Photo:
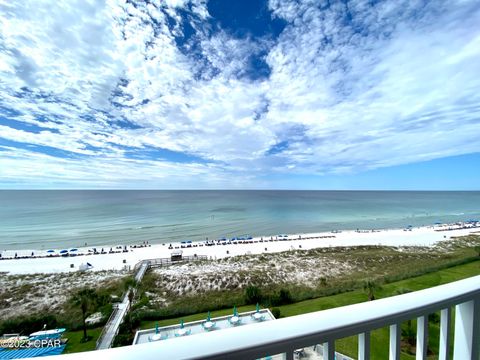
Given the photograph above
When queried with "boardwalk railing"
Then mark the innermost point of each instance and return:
(107, 325)
(285, 335)
(110, 330)
(166, 261)
(160, 262)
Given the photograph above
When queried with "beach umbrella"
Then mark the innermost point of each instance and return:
(156, 328)
(258, 307)
(437, 223)
(181, 324)
(63, 251)
(73, 249)
(208, 316)
(50, 251)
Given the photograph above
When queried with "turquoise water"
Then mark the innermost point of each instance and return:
(46, 219)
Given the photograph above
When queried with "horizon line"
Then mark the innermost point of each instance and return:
(183, 189)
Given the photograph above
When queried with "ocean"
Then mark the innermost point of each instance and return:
(52, 219)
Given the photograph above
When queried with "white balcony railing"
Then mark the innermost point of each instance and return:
(324, 327)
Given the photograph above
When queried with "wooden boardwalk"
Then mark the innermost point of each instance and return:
(153, 263)
(105, 340)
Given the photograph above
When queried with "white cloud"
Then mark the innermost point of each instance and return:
(377, 100)
(352, 87)
(24, 169)
(54, 49)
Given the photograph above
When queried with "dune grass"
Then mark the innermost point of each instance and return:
(379, 337)
(310, 274)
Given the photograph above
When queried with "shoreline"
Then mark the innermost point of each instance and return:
(125, 257)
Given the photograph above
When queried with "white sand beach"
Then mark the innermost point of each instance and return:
(120, 260)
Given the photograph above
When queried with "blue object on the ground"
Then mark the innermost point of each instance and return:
(33, 352)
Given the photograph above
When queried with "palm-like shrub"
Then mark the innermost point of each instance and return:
(85, 299)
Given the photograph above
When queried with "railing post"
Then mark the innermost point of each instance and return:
(364, 346)
(422, 337)
(444, 346)
(329, 350)
(467, 332)
(394, 353)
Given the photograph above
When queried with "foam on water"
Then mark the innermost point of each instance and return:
(45, 219)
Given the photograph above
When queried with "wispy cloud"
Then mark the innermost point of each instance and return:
(117, 94)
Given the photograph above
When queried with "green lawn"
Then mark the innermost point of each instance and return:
(74, 338)
(380, 337)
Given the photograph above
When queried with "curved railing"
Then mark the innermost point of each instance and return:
(324, 327)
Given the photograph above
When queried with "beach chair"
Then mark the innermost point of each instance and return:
(235, 318)
(183, 332)
(208, 324)
(157, 337)
(257, 315)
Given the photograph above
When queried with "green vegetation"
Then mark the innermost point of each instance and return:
(253, 294)
(457, 260)
(477, 249)
(276, 313)
(380, 337)
(370, 286)
(85, 299)
(157, 298)
(25, 325)
(132, 321)
(71, 315)
(398, 270)
(75, 340)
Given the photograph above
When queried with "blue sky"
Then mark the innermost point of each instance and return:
(281, 94)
